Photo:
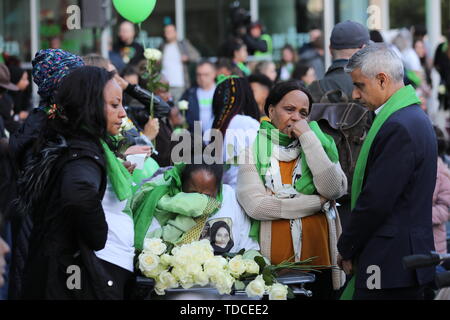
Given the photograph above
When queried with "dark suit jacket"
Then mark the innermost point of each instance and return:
(193, 113)
(392, 217)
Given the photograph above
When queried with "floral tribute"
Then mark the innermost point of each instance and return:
(195, 264)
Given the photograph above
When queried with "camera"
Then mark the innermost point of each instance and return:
(240, 19)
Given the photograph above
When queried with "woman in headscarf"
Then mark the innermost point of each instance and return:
(220, 237)
(286, 186)
(236, 119)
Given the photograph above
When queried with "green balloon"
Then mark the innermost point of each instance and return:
(135, 11)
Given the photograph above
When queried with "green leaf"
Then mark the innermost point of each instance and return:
(239, 285)
(268, 277)
(261, 262)
(290, 293)
(241, 252)
(229, 255)
(251, 254)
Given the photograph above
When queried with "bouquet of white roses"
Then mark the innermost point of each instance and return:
(195, 264)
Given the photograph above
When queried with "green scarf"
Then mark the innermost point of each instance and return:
(118, 175)
(174, 209)
(244, 68)
(268, 135)
(403, 98)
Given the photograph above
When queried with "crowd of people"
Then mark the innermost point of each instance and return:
(341, 164)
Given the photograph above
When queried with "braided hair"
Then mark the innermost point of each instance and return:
(233, 96)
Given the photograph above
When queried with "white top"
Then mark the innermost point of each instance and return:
(411, 60)
(285, 74)
(119, 247)
(205, 99)
(172, 67)
(379, 109)
(238, 222)
(240, 135)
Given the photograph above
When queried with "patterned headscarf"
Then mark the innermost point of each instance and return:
(49, 67)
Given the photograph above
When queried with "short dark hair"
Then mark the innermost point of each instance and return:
(80, 99)
(376, 36)
(230, 46)
(203, 62)
(283, 88)
(229, 64)
(300, 70)
(129, 70)
(262, 79)
(215, 169)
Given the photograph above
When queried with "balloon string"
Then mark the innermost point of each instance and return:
(142, 38)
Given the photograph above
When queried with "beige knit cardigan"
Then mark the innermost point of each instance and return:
(258, 203)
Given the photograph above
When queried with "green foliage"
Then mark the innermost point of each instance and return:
(239, 285)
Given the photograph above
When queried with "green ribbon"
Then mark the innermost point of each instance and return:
(118, 175)
(403, 98)
(244, 68)
(221, 78)
(268, 135)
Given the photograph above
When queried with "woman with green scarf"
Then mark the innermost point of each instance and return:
(189, 203)
(287, 183)
(75, 190)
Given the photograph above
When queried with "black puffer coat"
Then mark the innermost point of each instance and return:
(68, 221)
(20, 147)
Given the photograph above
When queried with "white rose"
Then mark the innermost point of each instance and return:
(167, 280)
(160, 289)
(278, 291)
(202, 251)
(166, 260)
(201, 278)
(155, 246)
(152, 54)
(183, 105)
(214, 265)
(193, 269)
(148, 262)
(127, 124)
(175, 251)
(256, 288)
(154, 273)
(187, 281)
(223, 282)
(178, 272)
(251, 267)
(237, 266)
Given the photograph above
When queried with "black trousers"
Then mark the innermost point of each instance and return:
(122, 279)
(411, 293)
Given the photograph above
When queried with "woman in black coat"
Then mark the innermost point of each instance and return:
(63, 186)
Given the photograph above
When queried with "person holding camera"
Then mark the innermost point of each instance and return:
(258, 43)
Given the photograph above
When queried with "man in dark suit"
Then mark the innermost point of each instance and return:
(393, 184)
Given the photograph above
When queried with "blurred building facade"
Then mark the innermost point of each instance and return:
(27, 25)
